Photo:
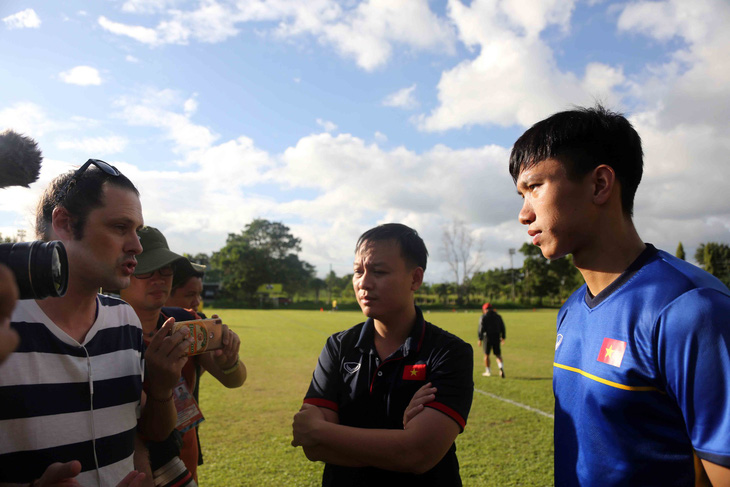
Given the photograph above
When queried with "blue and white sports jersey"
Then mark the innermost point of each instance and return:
(642, 377)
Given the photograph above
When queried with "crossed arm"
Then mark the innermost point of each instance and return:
(717, 474)
(426, 437)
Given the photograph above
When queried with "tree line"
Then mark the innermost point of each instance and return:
(266, 252)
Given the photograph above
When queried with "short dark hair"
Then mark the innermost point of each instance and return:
(411, 245)
(182, 274)
(583, 139)
(80, 198)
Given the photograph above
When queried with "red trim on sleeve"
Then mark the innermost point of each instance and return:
(448, 412)
(323, 403)
(183, 481)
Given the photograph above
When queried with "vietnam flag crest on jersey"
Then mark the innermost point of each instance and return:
(612, 352)
(414, 372)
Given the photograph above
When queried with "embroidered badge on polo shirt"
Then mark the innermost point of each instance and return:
(414, 372)
(612, 352)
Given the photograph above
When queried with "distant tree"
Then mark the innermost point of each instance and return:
(317, 284)
(333, 284)
(554, 279)
(442, 291)
(715, 259)
(295, 274)
(538, 281)
(345, 287)
(264, 252)
(680, 252)
(199, 258)
(463, 253)
(493, 283)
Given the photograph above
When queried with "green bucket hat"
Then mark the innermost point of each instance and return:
(155, 252)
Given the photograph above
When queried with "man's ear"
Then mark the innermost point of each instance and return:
(417, 278)
(605, 184)
(61, 224)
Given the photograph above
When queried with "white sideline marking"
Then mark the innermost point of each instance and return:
(515, 403)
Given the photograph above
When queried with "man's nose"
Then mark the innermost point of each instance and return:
(526, 215)
(134, 246)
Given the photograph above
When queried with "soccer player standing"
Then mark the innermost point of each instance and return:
(642, 368)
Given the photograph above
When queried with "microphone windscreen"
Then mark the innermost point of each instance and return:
(20, 159)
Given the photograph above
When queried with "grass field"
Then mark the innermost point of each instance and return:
(247, 433)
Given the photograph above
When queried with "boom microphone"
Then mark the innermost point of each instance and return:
(20, 159)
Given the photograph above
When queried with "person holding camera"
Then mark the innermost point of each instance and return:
(174, 461)
(71, 393)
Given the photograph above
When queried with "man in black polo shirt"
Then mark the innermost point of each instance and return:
(354, 413)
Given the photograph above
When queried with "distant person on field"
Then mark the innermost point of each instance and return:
(187, 288)
(389, 396)
(491, 334)
(174, 461)
(641, 373)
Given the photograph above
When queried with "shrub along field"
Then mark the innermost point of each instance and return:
(247, 432)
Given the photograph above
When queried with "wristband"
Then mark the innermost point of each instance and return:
(232, 369)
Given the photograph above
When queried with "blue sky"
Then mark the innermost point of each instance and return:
(333, 116)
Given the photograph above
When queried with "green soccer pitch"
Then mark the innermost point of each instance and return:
(247, 432)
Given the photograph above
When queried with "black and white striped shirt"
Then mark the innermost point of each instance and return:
(61, 400)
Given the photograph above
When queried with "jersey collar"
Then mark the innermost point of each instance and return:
(412, 344)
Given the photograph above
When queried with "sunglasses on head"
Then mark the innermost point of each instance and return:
(165, 271)
(103, 166)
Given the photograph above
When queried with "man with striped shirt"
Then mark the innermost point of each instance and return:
(71, 394)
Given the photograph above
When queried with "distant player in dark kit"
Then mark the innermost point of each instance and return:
(641, 373)
(491, 335)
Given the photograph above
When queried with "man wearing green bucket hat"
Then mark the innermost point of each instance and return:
(150, 287)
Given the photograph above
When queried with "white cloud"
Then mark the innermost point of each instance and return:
(692, 87)
(158, 108)
(327, 125)
(211, 22)
(25, 19)
(359, 184)
(369, 32)
(514, 79)
(366, 33)
(95, 145)
(131, 59)
(29, 119)
(402, 98)
(190, 106)
(144, 35)
(147, 6)
(600, 80)
(81, 75)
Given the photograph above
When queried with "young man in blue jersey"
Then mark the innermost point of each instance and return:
(70, 395)
(642, 368)
(370, 412)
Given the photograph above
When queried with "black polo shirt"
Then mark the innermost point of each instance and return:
(366, 392)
